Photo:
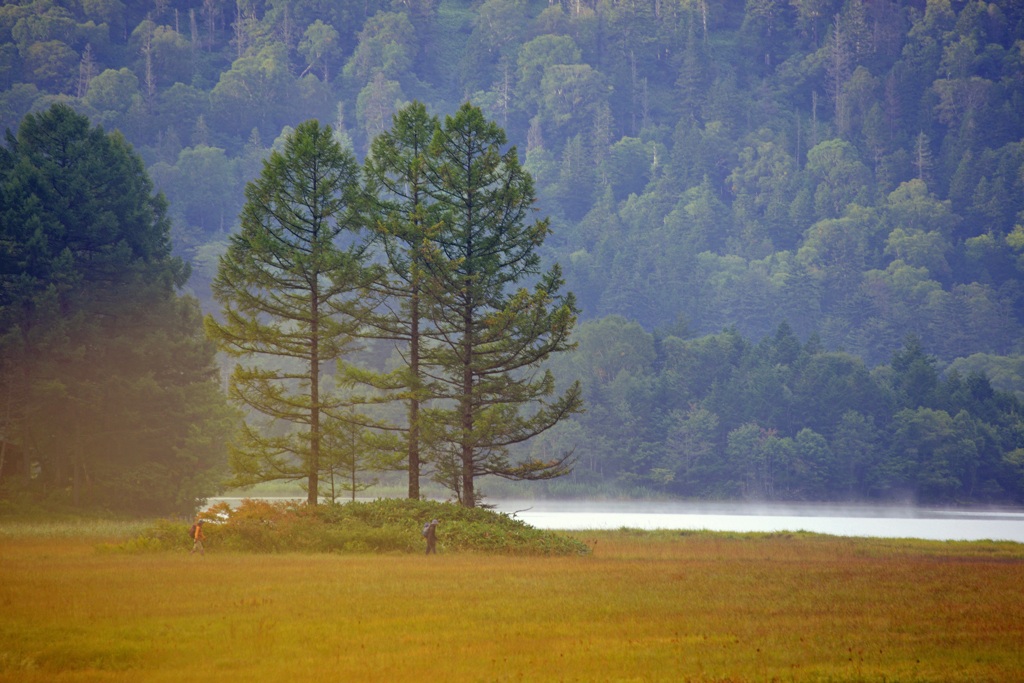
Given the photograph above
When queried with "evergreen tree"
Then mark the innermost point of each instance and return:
(492, 336)
(397, 178)
(352, 452)
(290, 304)
(111, 388)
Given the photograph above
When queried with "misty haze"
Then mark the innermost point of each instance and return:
(543, 340)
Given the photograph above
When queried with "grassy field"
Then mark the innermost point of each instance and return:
(640, 607)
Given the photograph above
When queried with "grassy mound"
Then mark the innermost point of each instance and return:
(381, 526)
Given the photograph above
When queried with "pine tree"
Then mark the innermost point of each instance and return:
(396, 173)
(290, 304)
(493, 337)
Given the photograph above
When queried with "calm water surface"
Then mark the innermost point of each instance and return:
(850, 520)
(845, 520)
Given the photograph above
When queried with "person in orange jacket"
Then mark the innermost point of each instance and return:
(197, 538)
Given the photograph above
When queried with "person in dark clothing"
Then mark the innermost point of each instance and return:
(430, 533)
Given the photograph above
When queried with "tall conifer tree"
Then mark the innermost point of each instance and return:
(290, 305)
(493, 334)
(397, 178)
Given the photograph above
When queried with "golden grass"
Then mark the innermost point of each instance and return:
(642, 607)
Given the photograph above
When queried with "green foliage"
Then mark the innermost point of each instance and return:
(399, 215)
(849, 103)
(381, 526)
(493, 333)
(719, 417)
(289, 293)
(320, 46)
(108, 379)
(387, 45)
(853, 169)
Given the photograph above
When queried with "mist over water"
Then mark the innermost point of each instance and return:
(896, 521)
(879, 521)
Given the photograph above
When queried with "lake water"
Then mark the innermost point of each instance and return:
(844, 520)
(883, 522)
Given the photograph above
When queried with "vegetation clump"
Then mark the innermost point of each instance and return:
(380, 526)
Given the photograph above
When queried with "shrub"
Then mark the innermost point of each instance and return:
(388, 525)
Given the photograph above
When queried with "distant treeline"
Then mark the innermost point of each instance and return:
(852, 169)
(720, 416)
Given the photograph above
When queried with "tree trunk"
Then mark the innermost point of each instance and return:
(466, 400)
(314, 399)
(414, 403)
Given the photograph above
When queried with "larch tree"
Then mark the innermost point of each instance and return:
(289, 288)
(397, 183)
(493, 333)
(355, 451)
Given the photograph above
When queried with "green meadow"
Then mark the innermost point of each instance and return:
(640, 606)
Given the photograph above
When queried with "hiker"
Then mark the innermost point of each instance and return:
(430, 533)
(197, 538)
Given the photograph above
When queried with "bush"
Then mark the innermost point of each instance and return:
(390, 525)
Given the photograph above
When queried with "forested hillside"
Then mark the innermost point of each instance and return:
(795, 216)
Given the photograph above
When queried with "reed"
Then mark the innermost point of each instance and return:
(639, 607)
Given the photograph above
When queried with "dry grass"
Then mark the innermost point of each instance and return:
(642, 607)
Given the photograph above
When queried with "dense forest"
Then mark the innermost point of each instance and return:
(794, 228)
